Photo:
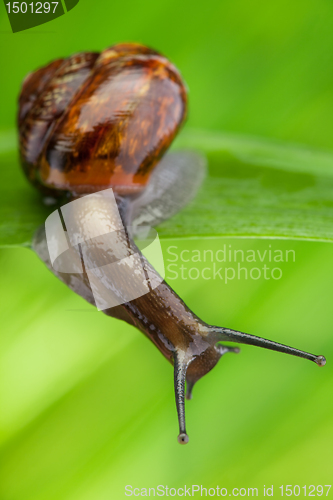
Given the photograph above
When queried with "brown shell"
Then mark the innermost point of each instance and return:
(94, 121)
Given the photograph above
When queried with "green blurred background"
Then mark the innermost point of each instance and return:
(86, 402)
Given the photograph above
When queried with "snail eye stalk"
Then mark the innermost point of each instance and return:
(244, 338)
(180, 366)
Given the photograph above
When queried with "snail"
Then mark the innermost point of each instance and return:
(99, 121)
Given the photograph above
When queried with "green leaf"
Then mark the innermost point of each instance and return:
(257, 188)
(254, 188)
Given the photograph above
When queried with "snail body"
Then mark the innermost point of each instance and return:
(98, 121)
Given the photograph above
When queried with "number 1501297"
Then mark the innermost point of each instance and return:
(32, 8)
(310, 491)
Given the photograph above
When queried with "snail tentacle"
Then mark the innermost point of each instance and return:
(246, 338)
(180, 367)
(223, 349)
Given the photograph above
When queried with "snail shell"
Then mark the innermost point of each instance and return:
(95, 121)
